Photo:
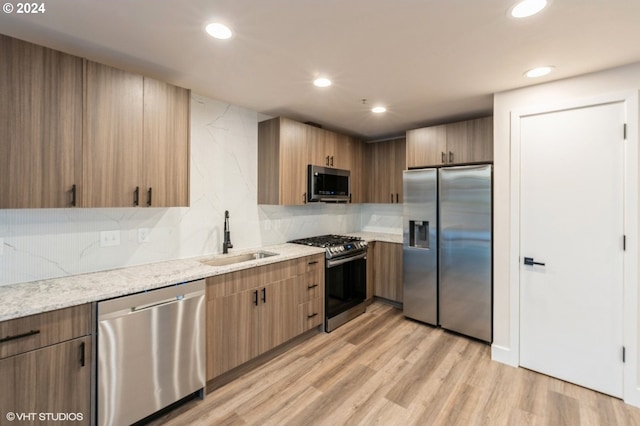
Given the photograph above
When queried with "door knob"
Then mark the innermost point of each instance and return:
(529, 261)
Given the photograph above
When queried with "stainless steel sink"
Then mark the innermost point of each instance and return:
(230, 260)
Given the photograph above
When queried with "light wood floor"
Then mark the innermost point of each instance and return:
(384, 369)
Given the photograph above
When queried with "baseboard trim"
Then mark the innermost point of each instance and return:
(503, 355)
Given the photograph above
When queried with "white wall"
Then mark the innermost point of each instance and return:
(48, 243)
(623, 79)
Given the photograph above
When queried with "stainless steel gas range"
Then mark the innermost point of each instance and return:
(345, 277)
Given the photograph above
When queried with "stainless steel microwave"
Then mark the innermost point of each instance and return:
(328, 184)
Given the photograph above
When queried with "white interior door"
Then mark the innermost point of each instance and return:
(571, 219)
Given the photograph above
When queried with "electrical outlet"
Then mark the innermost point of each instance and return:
(143, 235)
(109, 238)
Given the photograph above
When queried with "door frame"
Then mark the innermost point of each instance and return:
(630, 99)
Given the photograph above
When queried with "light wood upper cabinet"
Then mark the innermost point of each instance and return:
(358, 170)
(427, 146)
(285, 149)
(282, 162)
(40, 126)
(323, 148)
(112, 137)
(136, 140)
(456, 143)
(385, 163)
(78, 133)
(380, 162)
(166, 144)
(458, 146)
(329, 149)
(480, 134)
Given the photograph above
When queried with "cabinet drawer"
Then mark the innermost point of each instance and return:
(314, 263)
(311, 314)
(309, 287)
(35, 331)
(310, 263)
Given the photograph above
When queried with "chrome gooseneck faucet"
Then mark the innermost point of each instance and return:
(226, 245)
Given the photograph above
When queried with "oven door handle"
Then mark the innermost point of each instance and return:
(331, 263)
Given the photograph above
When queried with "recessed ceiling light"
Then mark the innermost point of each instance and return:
(378, 109)
(322, 82)
(220, 31)
(527, 8)
(538, 72)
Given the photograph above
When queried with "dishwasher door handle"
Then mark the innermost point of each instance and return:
(139, 302)
(154, 304)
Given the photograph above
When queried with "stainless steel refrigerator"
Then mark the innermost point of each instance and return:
(447, 251)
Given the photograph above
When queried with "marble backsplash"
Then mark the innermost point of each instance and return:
(47, 243)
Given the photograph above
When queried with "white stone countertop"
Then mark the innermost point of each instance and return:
(23, 299)
(19, 300)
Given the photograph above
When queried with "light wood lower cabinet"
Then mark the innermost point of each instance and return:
(370, 273)
(387, 271)
(55, 380)
(252, 311)
(45, 366)
(310, 295)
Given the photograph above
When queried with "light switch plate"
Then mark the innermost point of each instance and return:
(143, 235)
(109, 238)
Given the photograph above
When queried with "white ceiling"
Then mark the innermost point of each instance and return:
(428, 61)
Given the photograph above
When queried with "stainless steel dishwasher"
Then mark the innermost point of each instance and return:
(151, 351)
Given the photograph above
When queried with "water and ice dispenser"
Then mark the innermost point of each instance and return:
(419, 233)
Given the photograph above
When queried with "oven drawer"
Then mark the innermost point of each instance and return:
(311, 314)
